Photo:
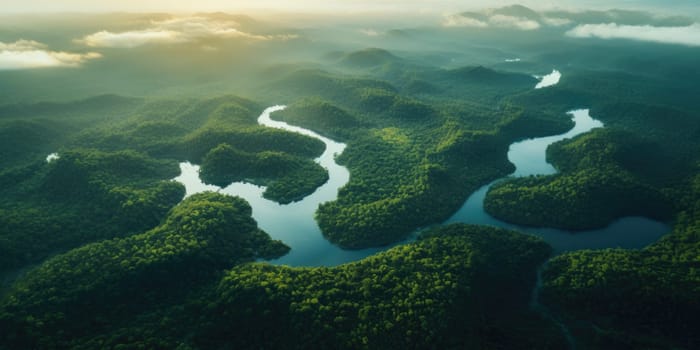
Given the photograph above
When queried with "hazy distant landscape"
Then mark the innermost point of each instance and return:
(350, 175)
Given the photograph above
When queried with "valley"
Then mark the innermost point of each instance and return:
(489, 178)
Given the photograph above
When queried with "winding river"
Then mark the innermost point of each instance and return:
(294, 223)
(291, 223)
(529, 158)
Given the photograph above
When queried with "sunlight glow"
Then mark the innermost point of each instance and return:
(25, 54)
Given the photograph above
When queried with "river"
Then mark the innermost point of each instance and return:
(291, 223)
(294, 223)
(529, 158)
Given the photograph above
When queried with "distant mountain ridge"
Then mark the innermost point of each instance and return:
(569, 18)
(370, 57)
(100, 102)
(481, 74)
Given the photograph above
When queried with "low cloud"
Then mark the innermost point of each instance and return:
(173, 31)
(462, 21)
(130, 39)
(687, 35)
(503, 21)
(519, 17)
(28, 54)
(495, 21)
(370, 32)
(556, 21)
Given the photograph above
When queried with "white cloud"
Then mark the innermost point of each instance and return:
(494, 21)
(556, 22)
(688, 35)
(174, 30)
(370, 32)
(463, 21)
(130, 39)
(520, 23)
(27, 54)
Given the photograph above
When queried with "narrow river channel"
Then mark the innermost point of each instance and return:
(294, 223)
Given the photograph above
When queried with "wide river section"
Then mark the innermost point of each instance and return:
(294, 223)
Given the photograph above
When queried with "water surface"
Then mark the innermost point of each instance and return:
(529, 158)
(294, 223)
(291, 223)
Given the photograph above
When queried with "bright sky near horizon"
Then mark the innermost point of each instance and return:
(212, 5)
(15, 6)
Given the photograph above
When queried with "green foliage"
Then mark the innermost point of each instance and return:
(258, 139)
(83, 196)
(325, 117)
(107, 182)
(457, 286)
(413, 161)
(289, 178)
(632, 299)
(307, 82)
(601, 180)
(585, 199)
(77, 169)
(526, 122)
(484, 76)
(85, 109)
(86, 289)
(187, 130)
(642, 163)
(401, 181)
(24, 141)
(416, 295)
(478, 84)
(368, 58)
(417, 87)
(420, 139)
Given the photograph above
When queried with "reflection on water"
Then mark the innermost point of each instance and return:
(294, 223)
(291, 223)
(529, 158)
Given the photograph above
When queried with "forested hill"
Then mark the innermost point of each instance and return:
(457, 286)
(99, 248)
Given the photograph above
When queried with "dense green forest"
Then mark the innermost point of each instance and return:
(603, 178)
(99, 248)
(644, 162)
(110, 280)
(412, 161)
(84, 196)
(111, 177)
(632, 299)
(452, 288)
(295, 177)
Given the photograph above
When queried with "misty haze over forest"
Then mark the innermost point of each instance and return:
(349, 174)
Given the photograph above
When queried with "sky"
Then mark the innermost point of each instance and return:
(13, 6)
(25, 53)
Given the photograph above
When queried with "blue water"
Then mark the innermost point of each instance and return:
(291, 223)
(529, 158)
(294, 223)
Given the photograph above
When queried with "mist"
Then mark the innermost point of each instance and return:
(336, 6)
